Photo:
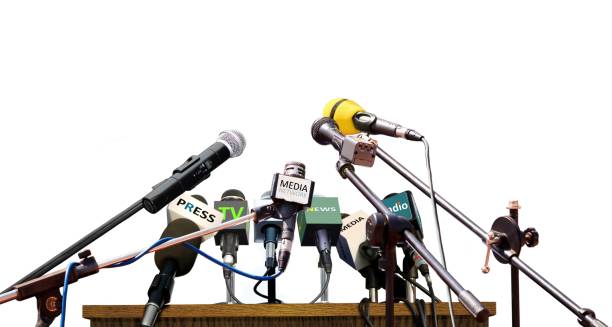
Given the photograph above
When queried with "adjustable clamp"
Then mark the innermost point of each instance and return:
(507, 236)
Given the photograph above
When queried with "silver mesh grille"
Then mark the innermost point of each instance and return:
(234, 140)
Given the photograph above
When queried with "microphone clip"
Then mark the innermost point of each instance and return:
(46, 289)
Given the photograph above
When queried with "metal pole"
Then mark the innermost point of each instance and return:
(472, 304)
(583, 314)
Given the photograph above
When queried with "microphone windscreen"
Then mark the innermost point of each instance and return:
(342, 111)
(199, 197)
(183, 256)
(316, 126)
(232, 194)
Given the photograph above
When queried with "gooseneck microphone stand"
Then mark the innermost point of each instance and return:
(386, 229)
(586, 317)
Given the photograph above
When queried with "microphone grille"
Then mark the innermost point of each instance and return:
(234, 140)
(316, 127)
(232, 194)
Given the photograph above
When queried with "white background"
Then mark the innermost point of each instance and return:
(101, 100)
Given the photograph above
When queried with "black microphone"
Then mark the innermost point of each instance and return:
(359, 150)
(354, 250)
(232, 206)
(172, 262)
(192, 172)
(352, 118)
(291, 193)
(320, 226)
(267, 231)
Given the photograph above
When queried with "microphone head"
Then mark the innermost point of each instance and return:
(316, 127)
(234, 141)
(342, 112)
(183, 256)
(232, 194)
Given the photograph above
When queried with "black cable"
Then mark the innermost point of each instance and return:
(420, 304)
(270, 272)
(420, 287)
(415, 316)
(434, 315)
(364, 311)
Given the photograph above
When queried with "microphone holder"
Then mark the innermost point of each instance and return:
(504, 254)
(385, 229)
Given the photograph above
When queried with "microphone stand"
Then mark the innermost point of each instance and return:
(386, 229)
(80, 244)
(192, 172)
(586, 317)
(46, 288)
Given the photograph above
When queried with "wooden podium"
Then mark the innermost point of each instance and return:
(269, 315)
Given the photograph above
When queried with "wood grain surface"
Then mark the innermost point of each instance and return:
(255, 315)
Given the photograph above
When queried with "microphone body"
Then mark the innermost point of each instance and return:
(320, 226)
(194, 170)
(291, 193)
(354, 249)
(172, 262)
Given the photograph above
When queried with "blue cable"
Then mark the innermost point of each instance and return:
(65, 291)
(232, 268)
(141, 254)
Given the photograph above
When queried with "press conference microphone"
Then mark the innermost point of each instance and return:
(192, 172)
(232, 206)
(267, 231)
(195, 208)
(403, 204)
(291, 193)
(352, 119)
(172, 262)
(320, 226)
(354, 250)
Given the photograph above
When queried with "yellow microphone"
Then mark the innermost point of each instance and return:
(351, 118)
